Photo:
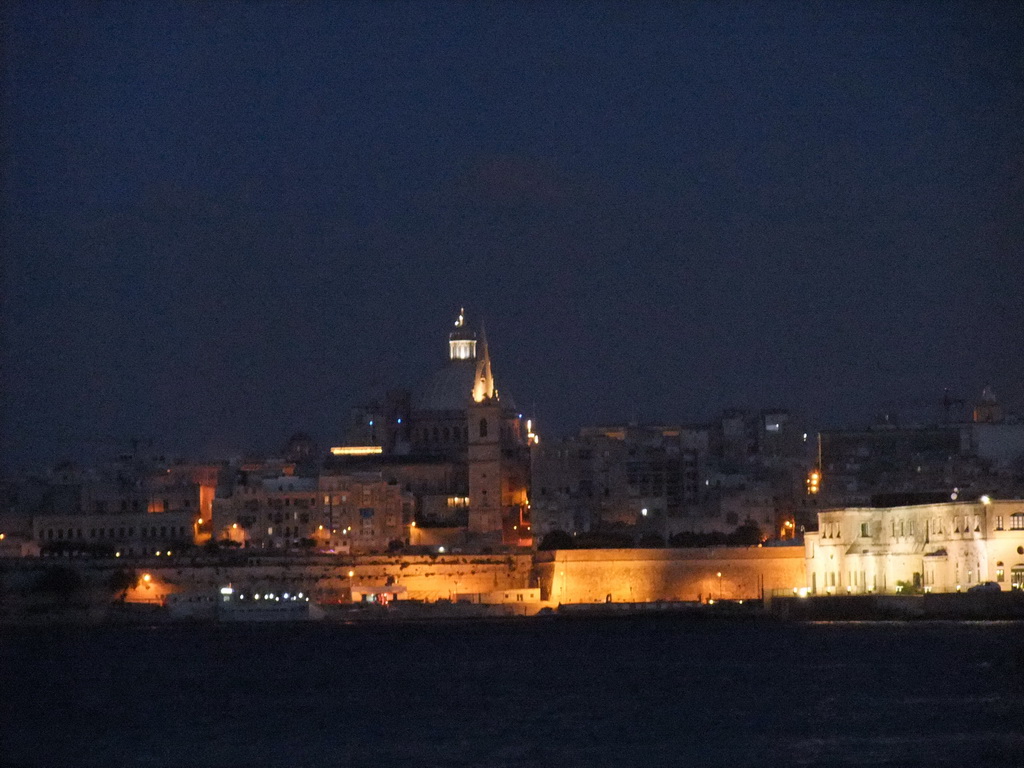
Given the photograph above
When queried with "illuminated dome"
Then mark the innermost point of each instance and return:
(449, 389)
(465, 376)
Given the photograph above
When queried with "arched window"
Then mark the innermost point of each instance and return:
(1017, 577)
(483, 427)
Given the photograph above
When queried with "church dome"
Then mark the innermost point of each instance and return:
(465, 376)
(449, 389)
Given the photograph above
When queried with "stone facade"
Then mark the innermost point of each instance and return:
(647, 575)
(132, 533)
(364, 513)
(944, 547)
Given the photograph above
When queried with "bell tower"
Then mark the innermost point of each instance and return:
(484, 449)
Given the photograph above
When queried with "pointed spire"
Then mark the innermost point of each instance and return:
(483, 383)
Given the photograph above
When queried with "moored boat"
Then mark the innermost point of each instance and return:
(238, 605)
(253, 605)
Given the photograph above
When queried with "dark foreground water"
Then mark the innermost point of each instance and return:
(644, 692)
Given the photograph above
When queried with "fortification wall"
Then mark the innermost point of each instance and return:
(565, 576)
(647, 575)
(424, 577)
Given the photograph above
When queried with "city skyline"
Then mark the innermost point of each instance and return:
(905, 412)
(222, 226)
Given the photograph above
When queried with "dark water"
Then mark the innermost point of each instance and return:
(647, 692)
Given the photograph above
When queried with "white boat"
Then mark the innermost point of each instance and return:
(251, 605)
(230, 604)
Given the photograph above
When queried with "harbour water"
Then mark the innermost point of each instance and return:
(590, 692)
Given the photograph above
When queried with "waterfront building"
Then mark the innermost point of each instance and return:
(363, 513)
(118, 533)
(275, 512)
(134, 506)
(941, 547)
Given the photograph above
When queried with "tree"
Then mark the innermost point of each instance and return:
(651, 541)
(605, 539)
(556, 540)
(121, 581)
(747, 535)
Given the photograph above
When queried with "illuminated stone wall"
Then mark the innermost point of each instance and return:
(567, 576)
(646, 575)
(424, 578)
(574, 576)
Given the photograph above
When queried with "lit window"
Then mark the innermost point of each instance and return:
(1017, 522)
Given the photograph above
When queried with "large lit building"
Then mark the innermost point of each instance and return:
(944, 547)
(457, 444)
(134, 506)
(363, 513)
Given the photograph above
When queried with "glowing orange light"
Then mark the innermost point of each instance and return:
(357, 450)
(146, 577)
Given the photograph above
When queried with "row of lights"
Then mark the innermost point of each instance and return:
(227, 591)
(158, 553)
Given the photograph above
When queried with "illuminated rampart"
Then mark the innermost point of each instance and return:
(565, 576)
(648, 575)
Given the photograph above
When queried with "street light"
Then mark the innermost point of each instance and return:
(719, 585)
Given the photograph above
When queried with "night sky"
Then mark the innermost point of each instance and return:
(223, 222)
